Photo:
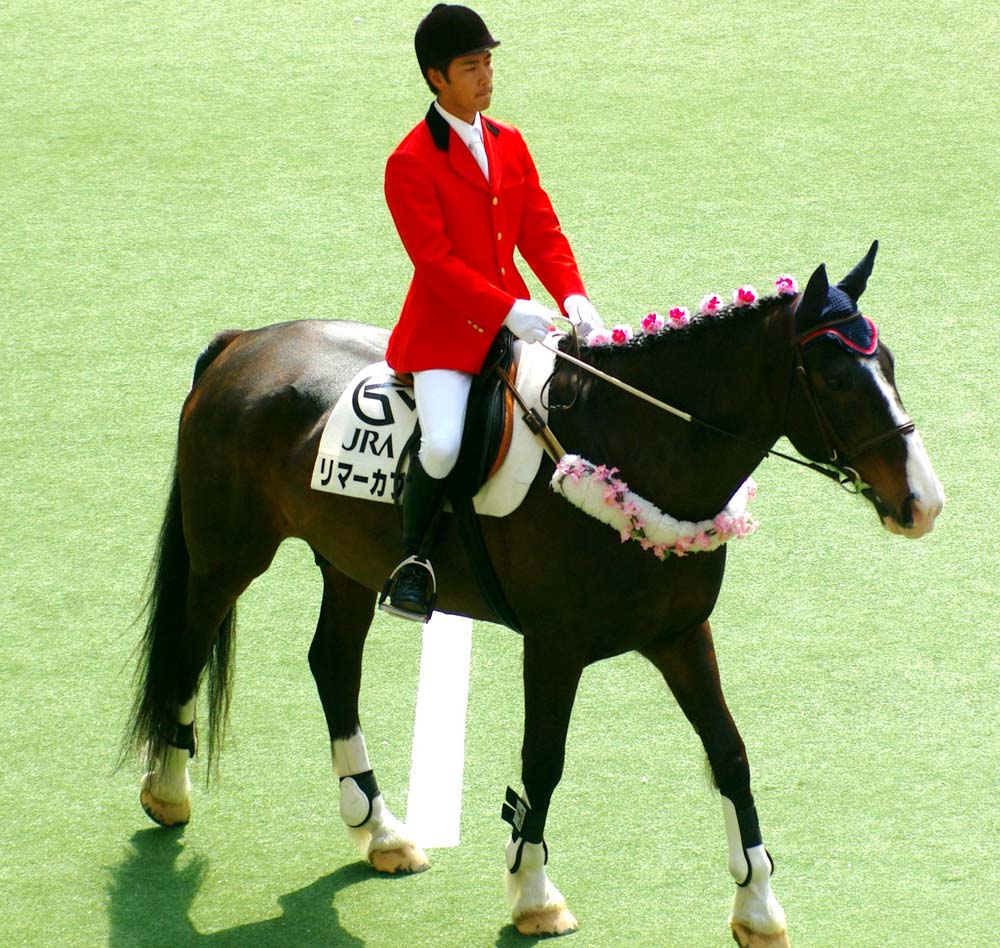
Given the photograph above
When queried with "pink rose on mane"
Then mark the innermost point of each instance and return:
(710, 304)
(598, 337)
(652, 323)
(745, 296)
(786, 285)
(678, 317)
(620, 335)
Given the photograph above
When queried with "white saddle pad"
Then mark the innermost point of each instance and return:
(374, 418)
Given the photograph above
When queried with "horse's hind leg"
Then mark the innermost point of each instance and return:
(689, 666)
(207, 626)
(335, 661)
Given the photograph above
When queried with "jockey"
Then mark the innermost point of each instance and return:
(463, 191)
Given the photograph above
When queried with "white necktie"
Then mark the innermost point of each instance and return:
(478, 150)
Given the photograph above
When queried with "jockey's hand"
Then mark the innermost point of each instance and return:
(529, 320)
(581, 311)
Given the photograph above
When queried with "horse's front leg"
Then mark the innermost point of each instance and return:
(550, 684)
(689, 666)
(335, 661)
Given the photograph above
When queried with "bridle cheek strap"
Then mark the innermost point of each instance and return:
(839, 455)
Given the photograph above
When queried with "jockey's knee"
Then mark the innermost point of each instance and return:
(438, 454)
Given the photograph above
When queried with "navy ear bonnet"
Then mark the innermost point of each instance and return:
(857, 335)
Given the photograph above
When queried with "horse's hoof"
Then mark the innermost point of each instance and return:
(557, 921)
(408, 858)
(161, 811)
(749, 939)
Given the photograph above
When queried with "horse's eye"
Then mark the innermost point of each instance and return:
(838, 380)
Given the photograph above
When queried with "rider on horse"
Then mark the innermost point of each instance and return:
(463, 191)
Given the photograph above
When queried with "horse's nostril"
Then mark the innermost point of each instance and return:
(906, 511)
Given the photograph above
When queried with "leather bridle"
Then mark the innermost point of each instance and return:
(840, 457)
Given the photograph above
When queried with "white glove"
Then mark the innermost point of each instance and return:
(529, 320)
(581, 311)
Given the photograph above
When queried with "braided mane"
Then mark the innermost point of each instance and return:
(700, 326)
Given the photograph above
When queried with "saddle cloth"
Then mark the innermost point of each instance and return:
(374, 418)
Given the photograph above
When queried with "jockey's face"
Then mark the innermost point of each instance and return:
(467, 86)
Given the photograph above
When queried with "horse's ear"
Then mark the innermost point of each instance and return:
(855, 282)
(813, 299)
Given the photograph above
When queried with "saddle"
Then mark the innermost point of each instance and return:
(370, 432)
(489, 426)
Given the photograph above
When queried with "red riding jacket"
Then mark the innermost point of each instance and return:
(460, 231)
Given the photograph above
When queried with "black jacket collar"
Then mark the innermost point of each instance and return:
(439, 128)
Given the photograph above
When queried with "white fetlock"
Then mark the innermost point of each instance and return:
(754, 905)
(165, 794)
(377, 834)
(537, 906)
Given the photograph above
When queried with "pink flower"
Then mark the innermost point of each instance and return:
(745, 296)
(702, 541)
(786, 285)
(626, 534)
(571, 468)
(620, 335)
(598, 337)
(710, 304)
(600, 472)
(652, 323)
(682, 545)
(723, 523)
(678, 317)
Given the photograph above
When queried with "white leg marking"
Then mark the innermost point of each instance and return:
(381, 831)
(754, 905)
(172, 784)
(434, 804)
(351, 756)
(530, 889)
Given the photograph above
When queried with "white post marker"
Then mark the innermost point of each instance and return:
(434, 802)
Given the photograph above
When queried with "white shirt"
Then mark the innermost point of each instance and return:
(471, 135)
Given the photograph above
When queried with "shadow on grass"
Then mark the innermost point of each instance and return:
(510, 937)
(150, 897)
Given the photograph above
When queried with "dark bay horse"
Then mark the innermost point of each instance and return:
(808, 366)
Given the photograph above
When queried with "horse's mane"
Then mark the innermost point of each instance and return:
(700, 328)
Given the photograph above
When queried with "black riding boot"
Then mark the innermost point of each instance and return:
(411, 589)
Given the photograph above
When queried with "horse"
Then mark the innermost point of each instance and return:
(807, 365)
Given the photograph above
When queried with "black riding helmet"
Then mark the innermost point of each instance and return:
(447, 32)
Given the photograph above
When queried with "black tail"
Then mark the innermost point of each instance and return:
(153, 720)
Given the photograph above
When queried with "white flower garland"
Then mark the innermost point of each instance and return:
(596, 491)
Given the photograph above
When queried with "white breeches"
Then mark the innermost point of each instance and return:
(442, 396)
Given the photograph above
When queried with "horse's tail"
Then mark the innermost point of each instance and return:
(153, 721)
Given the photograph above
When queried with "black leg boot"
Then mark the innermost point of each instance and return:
(411, 589)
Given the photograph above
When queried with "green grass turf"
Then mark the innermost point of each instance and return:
(169, 170)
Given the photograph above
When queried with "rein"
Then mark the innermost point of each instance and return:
(838, 467)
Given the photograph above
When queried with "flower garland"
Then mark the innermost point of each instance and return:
(679, 318)
(597, 491)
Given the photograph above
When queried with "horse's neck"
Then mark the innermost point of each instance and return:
(731, 377)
